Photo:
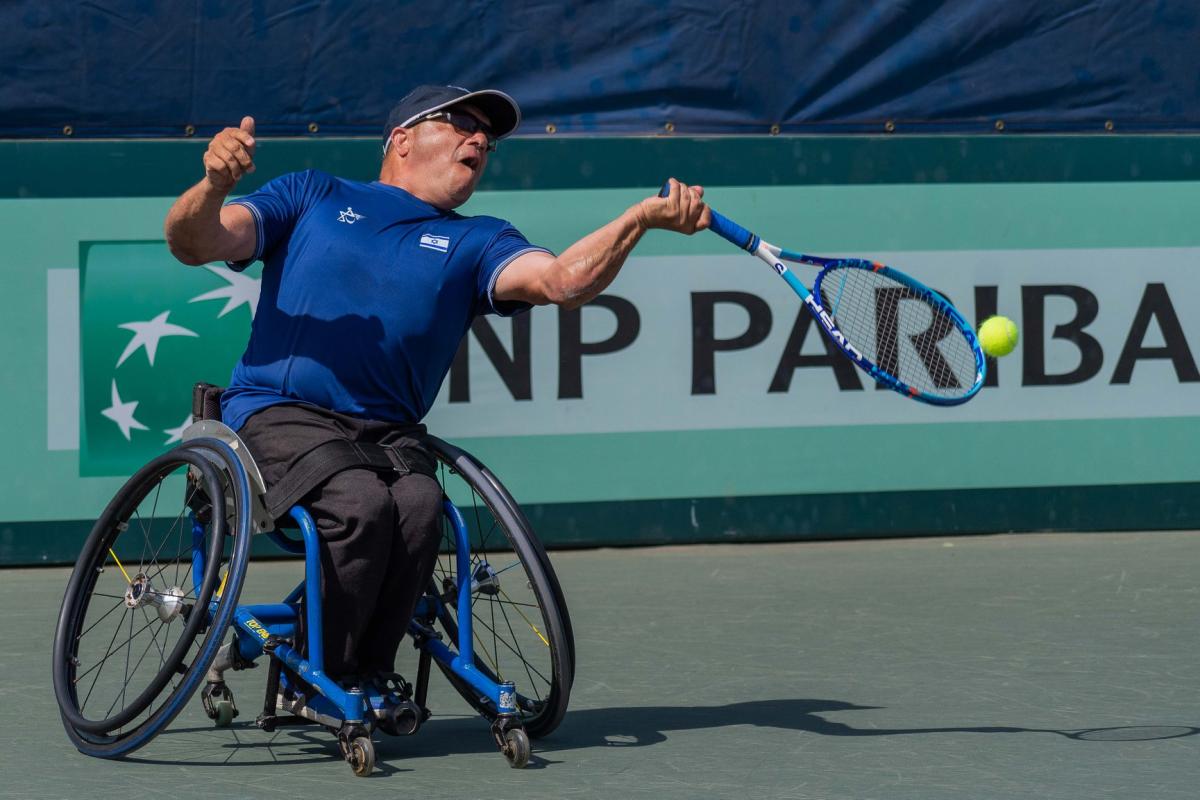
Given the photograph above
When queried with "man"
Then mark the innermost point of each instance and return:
(367, 290)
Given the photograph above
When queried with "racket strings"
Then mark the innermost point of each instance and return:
(898, 330)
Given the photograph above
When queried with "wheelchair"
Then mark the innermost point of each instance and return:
(151, 613)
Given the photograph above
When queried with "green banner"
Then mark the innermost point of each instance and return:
(151, 329)
(630, 422)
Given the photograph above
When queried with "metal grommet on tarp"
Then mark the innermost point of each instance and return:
(313, 127)
(189, 130)
(551, 127)
(669, 127)
(889, 126)
(774, 131)
(999, 125)
(68, 130)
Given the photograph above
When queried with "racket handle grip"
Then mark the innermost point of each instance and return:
(733, 233)
(724, 227)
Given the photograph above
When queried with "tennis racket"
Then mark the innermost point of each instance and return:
(900, 332)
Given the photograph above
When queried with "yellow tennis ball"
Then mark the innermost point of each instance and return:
(998, 336)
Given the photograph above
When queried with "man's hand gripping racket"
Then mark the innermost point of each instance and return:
(899, 331)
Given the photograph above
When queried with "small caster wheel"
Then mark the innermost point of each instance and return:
(361, 756)
(516, 748)
(218, 703)
(225, 714)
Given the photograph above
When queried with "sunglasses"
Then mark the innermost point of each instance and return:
(465, 123)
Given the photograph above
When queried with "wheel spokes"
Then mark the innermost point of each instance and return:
(142, 531)
(511, 638)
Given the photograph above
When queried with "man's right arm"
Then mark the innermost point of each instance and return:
(199, 227)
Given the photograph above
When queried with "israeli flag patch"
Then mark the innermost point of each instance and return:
(439, 243)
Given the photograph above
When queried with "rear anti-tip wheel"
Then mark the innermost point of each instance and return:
(218, 703)
(225, 714)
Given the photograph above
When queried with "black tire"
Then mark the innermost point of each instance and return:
(521, 628)
(135, 554)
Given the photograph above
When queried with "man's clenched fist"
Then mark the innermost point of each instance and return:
(230, 155)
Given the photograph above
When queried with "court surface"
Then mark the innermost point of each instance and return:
(1046, 665)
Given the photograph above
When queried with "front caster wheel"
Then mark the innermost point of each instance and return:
(516, 748)
(360, 755)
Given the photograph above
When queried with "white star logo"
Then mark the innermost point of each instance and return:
(147, 334)
(176, 434)
(242, 289)
(349, 216)
(122, 413)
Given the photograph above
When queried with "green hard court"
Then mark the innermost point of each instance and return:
(1007, 666)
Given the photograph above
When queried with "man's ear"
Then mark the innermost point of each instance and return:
(401, 141)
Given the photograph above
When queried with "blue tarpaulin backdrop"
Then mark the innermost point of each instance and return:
(334, 67)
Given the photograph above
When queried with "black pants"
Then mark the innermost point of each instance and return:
(379, 532)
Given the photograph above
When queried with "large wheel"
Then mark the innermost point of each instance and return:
(137, 630)
(520, 625)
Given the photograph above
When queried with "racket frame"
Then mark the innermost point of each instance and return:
(774, 257)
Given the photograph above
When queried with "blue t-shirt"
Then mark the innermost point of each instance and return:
(366, 293)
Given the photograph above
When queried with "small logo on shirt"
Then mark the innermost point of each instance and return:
(349, 217)
(439, 243)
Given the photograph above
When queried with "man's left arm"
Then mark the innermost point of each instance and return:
(586, 268)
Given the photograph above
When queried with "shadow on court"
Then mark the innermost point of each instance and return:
(640, 727)
(643, 726)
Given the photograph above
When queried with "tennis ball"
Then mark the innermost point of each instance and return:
(998, 336)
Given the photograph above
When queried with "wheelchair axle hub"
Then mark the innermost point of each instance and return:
(484, 580)
(169, 603)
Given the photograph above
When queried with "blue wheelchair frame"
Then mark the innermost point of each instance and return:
(263, 627)
(227, 499)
